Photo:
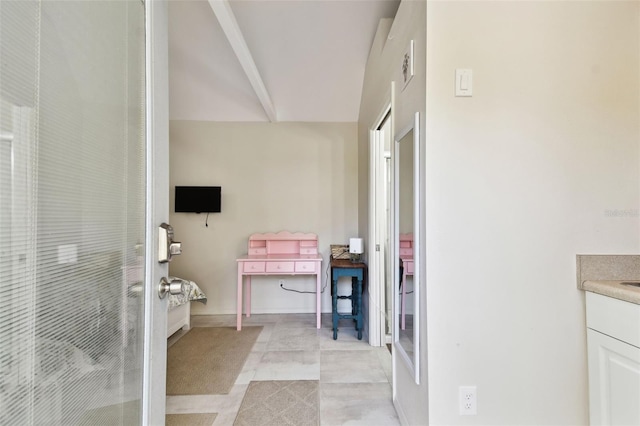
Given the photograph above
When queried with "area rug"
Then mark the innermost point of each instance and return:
(286, 403)
(190, 419)
(207, 360)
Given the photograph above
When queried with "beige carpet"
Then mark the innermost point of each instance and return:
(207, 360)
(281, 403)
(190, 419)
(127, 413)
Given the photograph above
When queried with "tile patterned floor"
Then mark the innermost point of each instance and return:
(280, 403)
(354, 377)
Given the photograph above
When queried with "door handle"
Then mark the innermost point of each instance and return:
(167, 248)
(174, 287)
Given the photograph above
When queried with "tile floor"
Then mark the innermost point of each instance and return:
(355, 378)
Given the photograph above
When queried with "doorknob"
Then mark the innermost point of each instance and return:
(173, 287)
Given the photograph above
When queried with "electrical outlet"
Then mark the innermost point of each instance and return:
(281, 283)
(468, 401)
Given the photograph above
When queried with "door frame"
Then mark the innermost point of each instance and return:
(376, 179)
(156, 209)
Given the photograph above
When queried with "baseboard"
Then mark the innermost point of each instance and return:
(401, 415)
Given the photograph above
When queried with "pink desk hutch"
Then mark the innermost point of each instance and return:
(284, 253)
(406, 255)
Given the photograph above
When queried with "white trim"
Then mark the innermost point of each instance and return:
(374, 255)
(417, 247)
(376, 151)
(392, 252)
(385, 110)
(156, 209)
(227, 20)
(401, 415)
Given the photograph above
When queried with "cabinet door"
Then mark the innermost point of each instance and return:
(614, 381)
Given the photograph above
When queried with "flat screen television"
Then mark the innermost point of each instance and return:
(198, 199)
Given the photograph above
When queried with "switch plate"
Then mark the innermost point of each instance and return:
(464, 82)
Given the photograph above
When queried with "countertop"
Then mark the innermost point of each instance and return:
(613, 289)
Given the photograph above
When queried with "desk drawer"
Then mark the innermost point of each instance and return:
(253, 266)
(409, 266)
(308, 267)
(277, 267)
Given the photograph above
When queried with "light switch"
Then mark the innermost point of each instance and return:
(464, 82)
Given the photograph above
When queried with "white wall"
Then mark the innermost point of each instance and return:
(274, 177)
(383, 67)
(519, 179)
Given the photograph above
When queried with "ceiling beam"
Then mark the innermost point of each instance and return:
(222, 10)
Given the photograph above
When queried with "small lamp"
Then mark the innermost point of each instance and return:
(356, 248)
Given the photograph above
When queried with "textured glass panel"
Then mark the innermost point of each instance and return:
(71, 211)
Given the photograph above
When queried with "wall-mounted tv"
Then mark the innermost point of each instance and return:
(198, 199)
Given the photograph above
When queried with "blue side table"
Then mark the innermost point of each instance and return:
(346, 268)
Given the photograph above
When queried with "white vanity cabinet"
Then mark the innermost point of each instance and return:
(613, 340)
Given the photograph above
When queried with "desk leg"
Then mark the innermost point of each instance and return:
(404, 289)
(247, 297)
(318, 295)
(334, 306)
(239, 301)
(359, 319)
(354, 299)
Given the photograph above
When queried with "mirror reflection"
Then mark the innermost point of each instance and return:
(405, 229)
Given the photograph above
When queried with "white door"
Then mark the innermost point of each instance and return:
(83, 186)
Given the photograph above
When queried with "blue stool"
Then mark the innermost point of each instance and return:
(346, 268)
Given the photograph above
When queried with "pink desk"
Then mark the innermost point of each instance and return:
(406, 254)
(284, 253)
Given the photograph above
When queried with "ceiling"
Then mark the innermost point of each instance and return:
(310, 56)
